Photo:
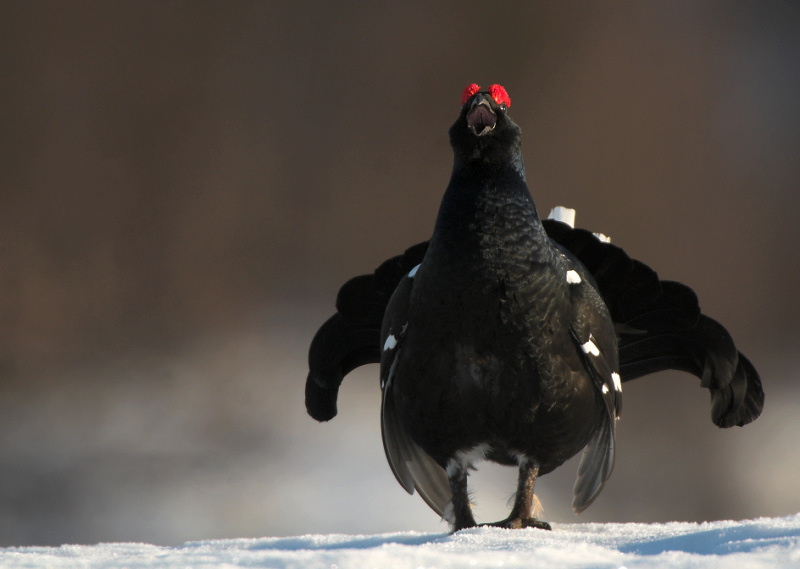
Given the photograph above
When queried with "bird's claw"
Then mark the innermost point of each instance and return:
(519, 523)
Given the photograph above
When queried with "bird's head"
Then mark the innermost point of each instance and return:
(484, 132)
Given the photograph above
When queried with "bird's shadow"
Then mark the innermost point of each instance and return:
(335, 542)
(717, 541)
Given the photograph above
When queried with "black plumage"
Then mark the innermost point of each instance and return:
(508, 337)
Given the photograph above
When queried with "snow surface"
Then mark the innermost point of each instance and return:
(766, 542)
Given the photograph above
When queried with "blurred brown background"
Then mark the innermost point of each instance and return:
(184, 185)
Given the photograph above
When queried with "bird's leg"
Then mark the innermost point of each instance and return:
(525, 503)
(459, 511)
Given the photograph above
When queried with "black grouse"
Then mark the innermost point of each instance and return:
(508, 338)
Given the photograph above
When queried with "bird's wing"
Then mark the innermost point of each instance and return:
(660, 326)
(412, 466)
(351, 337)
(593, 336)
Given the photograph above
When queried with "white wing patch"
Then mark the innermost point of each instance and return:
(590, 348)
(391, 342)
(573, 277)
(413, 272)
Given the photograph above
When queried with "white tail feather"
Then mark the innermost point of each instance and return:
(563, 214)
(567, 215)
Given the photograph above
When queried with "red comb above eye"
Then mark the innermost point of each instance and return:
(469, 91)
(499, 95)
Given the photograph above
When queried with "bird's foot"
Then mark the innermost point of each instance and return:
(519, 522)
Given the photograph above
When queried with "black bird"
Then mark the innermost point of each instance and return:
(508, 338)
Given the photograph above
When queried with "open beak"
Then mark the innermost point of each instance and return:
(481, 119)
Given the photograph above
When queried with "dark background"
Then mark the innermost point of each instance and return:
(184, 186)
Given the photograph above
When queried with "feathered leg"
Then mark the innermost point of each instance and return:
(459, 511)
(525, 503)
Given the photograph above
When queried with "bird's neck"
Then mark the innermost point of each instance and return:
(488, 214)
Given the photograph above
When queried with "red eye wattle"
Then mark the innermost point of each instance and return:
(499, 95)
(469, 91)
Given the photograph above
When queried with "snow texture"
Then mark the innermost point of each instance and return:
(766, 542)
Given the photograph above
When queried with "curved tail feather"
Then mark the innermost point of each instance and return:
(660, 327)
(351, 337)
(339, 346)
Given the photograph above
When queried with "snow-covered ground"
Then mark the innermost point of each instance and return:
(766, 542)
